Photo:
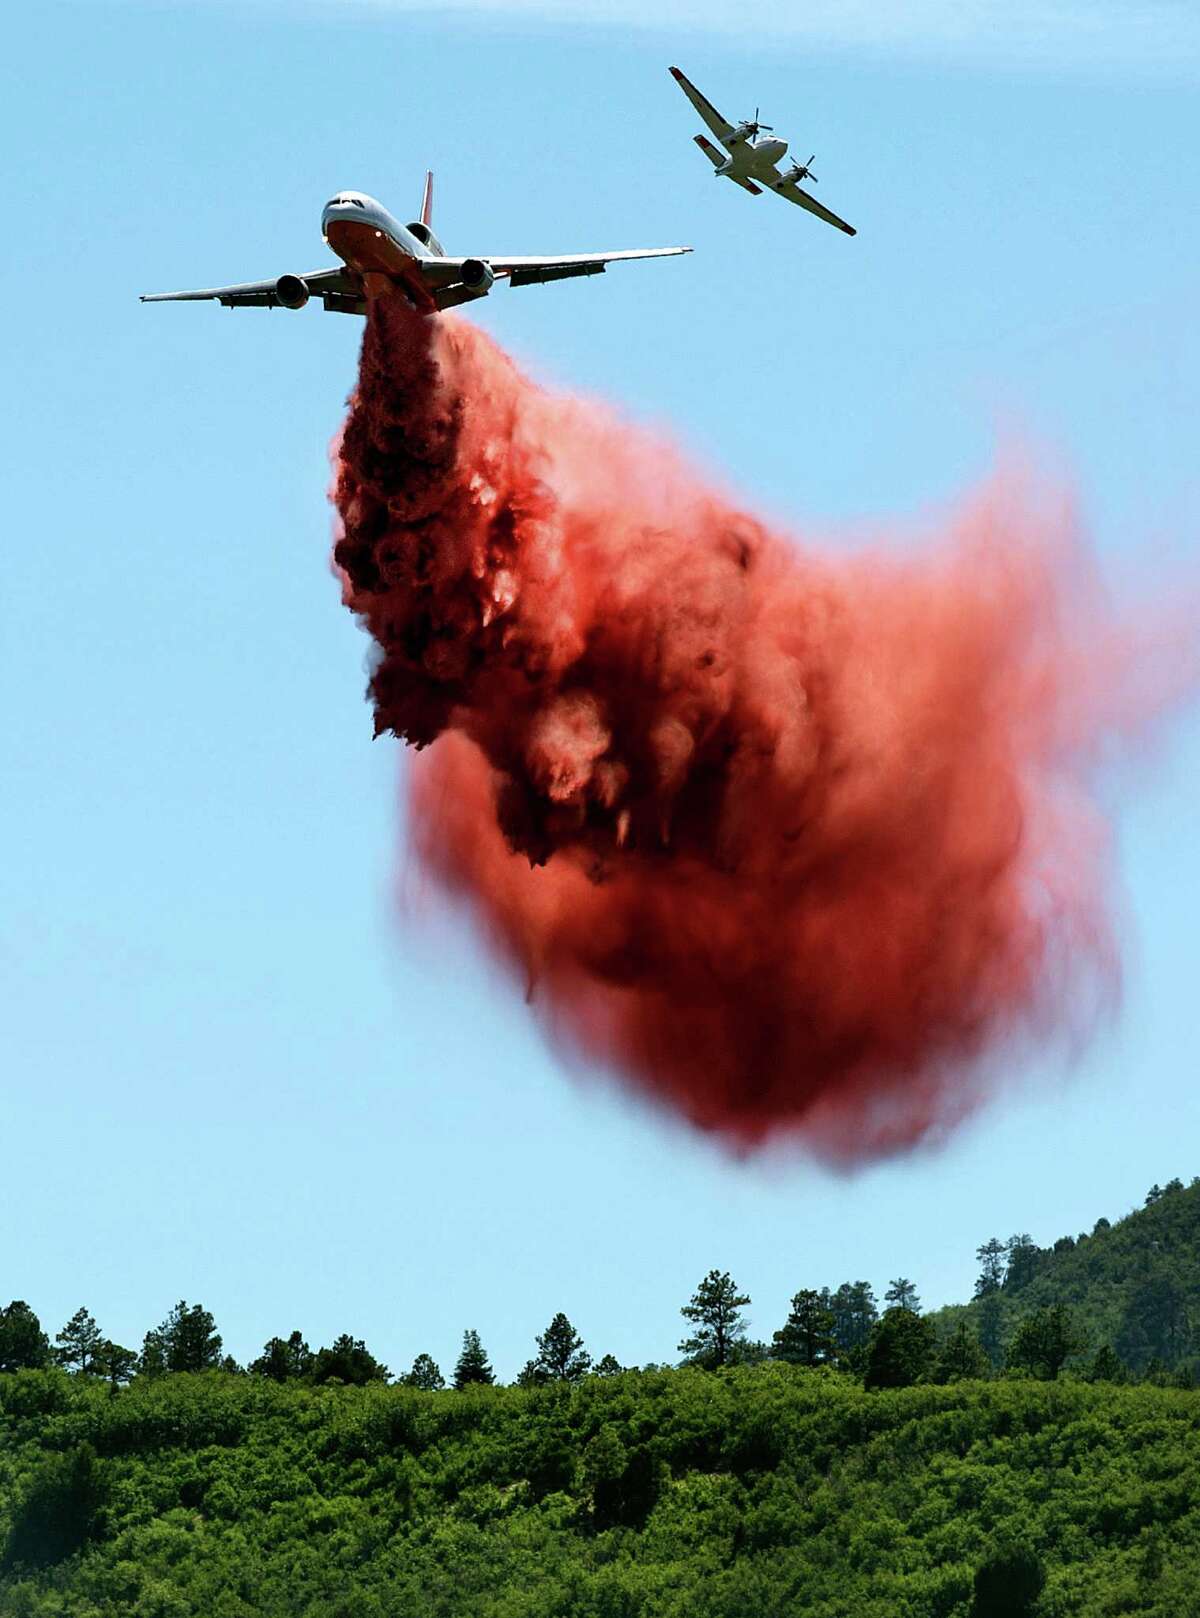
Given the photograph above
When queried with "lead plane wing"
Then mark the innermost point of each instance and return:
(793, 193)
(720, 127)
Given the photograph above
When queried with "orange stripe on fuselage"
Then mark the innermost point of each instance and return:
(373, 253)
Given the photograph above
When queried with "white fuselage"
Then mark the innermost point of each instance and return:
(752, 156)
(369, 239)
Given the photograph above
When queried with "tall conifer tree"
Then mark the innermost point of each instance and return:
(473, 1364)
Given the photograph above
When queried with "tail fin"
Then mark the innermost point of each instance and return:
(427, 200)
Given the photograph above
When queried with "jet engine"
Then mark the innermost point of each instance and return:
(426, 237)
(477, 276)
(291, 292)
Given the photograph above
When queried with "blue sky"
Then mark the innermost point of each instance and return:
(231, 1073)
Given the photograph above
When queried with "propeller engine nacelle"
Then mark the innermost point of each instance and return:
(477, 276)
(291, 291)
(801, 171)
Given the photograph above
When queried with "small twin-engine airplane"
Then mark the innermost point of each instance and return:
(752, 157)
(378, 254)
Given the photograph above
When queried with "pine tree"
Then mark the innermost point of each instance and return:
(348, 1360)
(77, 1342)
(189, 1338)
(716, 1310)
(284, 1360)
(152, 1361)
(902, 1294)
(854, 1314)
(24, 1346)
(610, 1365)
(425, 1374)
(473, 1363)
(900, 1351)
(561, 1354)
(806, 1336)
(992, 1258)
(531, 1375)
(961, 1357)
(1044, 1341)
(114, 1363)
(1024, 1257)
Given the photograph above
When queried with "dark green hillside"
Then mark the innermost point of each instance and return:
(752, 1492)
(1134, 1284)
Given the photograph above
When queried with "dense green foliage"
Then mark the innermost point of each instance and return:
(1133, 1285)
(755, 1490)
(1036, 1452)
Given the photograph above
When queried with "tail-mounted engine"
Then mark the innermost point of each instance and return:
(426, 237)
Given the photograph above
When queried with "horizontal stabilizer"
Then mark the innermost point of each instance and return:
(716, 158)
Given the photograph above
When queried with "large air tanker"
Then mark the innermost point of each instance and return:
(379, 254)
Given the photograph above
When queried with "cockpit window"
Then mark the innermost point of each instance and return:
(343, 202)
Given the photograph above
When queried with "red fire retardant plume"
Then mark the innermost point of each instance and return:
(794, 841)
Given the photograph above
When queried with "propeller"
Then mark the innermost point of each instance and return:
(753, 125)
(801, 171)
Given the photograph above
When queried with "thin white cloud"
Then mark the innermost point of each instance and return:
(1051, 33)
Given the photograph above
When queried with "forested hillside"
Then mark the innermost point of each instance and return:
(1035, 1452)
(750, 1492)
(1133, 1285)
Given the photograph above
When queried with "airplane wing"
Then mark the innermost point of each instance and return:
(525, 271)
(339, 288)
(720, 128)
(716, 158)
(793, 193)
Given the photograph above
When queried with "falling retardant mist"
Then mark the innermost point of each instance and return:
(792, 839)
